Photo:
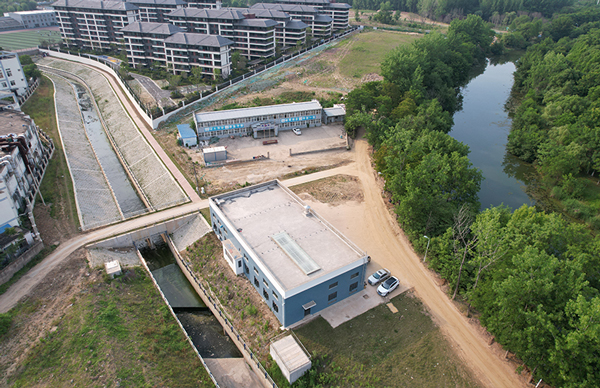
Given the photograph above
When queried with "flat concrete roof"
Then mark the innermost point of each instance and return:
(259, 212)
(290, 353)
(267, 110)
(12, 122)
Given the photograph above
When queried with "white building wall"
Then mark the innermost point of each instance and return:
(12, 77)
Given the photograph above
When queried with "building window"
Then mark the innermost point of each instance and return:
(239, 263)
(353, 286)
(275, 307)
(333, 285)
(332, 296)
(256, 271)
(8, 73)
(275, 296)
(12, 83)
(265, 283)
(247, 270)
(256, 283)
(266, 294)
(354, 275)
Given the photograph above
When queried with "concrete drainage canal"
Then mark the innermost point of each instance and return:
(201, 326)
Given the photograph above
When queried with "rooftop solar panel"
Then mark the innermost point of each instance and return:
(296, 253)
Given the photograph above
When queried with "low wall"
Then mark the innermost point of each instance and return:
(7, 273)
(215, 306)
(129, 239)
(345, 148)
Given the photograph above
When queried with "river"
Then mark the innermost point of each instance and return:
(483, 124)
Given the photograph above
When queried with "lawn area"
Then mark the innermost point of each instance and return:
(383, 349)
(28, 38)
(368, 50)
(117, 333)
(57, 187)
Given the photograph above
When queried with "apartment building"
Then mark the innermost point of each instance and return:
(154, 11)
(339, 12)
(203, 4)
(24, 154)
(169, 46)
(288, 31)
(254, 38)
(12, 77)
(320, 24)
(94, 25)
(34, 19)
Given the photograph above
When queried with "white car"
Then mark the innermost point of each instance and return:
(388, 286)
(297, 131)
(379, 276)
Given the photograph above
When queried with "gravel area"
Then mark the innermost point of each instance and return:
(155, 180)
(95, 202)
(98, 256)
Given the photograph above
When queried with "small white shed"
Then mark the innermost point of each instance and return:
(113, 268)
(215, 154)
(291, 358)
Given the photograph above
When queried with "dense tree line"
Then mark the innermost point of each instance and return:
(437, 9)
(407, 117)
(16, 5)
(532, 277)
(525, 30)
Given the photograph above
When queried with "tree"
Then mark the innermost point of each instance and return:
(463, 243)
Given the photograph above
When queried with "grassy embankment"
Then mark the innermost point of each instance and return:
(57, 187)
(117, 333)
(368, 50)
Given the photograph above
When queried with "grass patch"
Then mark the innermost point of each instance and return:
(26, 39)
(57, 187)
(19, 274)
(206, 214)
(373, 45)
(118, 333)
(379, 348)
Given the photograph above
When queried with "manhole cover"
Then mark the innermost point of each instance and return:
(366, 296)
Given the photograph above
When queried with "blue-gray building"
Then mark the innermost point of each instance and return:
(296, 260)
(187, 135)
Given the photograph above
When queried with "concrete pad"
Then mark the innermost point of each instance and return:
(191, 232)
(233, 373)
(392, 308)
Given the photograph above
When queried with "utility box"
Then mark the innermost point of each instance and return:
(113, 268)
(291, 357)
(215, 154)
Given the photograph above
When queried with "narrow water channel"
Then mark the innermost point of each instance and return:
(484, 125)
(127, 198)
(200, 324)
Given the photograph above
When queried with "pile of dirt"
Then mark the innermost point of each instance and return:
(335, 190)
(371, 77)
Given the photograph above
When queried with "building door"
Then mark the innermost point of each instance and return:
(307, 312)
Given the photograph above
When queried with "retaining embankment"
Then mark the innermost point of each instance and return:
(215, 306)
(177, 319)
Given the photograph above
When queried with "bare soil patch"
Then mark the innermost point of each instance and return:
(334, 191)
(41, 311)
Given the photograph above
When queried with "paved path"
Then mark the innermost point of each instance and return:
(162, 97)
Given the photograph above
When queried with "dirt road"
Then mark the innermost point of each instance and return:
(391, 249)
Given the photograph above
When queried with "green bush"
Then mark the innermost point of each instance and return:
(5, 323)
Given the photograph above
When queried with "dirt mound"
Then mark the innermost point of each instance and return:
(371, 77)
(334, 190)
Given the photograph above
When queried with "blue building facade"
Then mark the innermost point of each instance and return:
(289, 303)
